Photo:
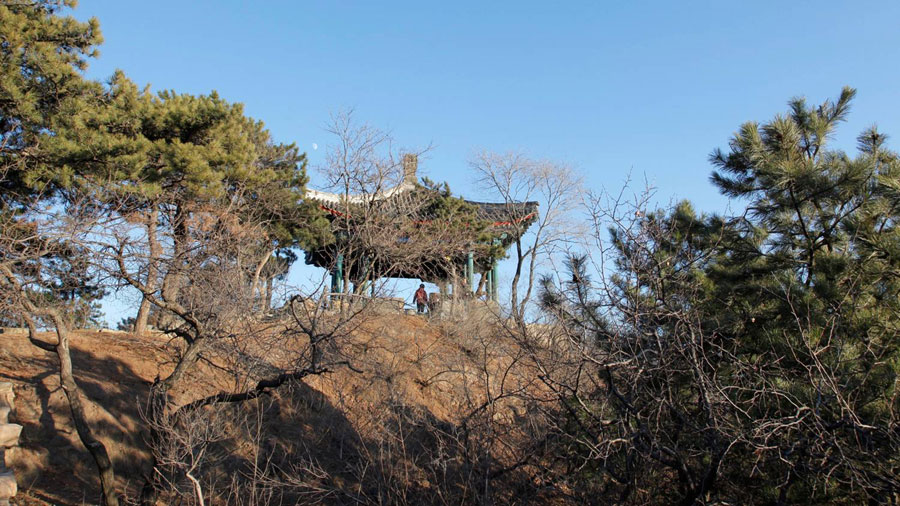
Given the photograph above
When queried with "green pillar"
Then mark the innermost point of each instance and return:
(470, 271)
(365, 276)
(495, 281)
(339, 273)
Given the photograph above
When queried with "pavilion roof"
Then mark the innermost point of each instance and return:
(507, 219)
(505, 214)
(498, 214)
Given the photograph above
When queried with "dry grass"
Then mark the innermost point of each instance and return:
(422, 386)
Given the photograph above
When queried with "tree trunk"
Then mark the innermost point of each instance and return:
(345, 289)
(454, 285)
(479, 292)
(158, 403)
(76, 405)
(70, 388)
(256, 287)
(267, 300)
(514, 284)
(174, 278)
(532, 263)
(143, 315)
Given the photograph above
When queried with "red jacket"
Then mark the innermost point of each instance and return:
(421, 296)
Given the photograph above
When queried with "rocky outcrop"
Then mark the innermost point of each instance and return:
(9, 437)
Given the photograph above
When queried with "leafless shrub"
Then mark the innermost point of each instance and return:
(48, 276)
(515, 179)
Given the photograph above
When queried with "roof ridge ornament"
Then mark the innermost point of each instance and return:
(410, 165)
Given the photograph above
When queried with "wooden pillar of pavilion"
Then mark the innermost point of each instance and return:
(470, 273)
(337, 276)
(495, 282)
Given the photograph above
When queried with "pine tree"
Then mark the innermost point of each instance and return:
(40, 62)
(820, 293)
(162, 158)
(753, 358)
(41, 58)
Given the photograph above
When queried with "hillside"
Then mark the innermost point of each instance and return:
(412, 387)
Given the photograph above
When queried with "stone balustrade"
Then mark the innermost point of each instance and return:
(9, 437)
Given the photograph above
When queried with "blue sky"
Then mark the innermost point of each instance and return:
(648, 88)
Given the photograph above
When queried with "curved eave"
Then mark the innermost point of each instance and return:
(338, 198)
(508, 223)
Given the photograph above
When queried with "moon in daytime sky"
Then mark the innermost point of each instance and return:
(315, 146)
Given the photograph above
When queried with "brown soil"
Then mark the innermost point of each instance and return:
(115, 371)
(404, 358)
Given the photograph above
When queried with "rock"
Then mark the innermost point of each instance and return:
(9, 435)
(7, 395)
(8, 487)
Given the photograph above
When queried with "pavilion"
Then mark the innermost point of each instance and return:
(452, 263)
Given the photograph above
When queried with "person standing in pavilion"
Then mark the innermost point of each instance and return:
(421, 299)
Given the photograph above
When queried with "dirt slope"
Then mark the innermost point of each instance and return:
(405, 360)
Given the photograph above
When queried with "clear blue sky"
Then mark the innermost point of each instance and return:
(610, 87)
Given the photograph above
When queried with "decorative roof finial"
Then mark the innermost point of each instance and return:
(410, 164)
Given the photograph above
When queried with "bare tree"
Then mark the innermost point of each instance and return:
(46, 274)
(154, 250)
(385, 223)
(678, 389)
(515, 180)
(213, 317)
